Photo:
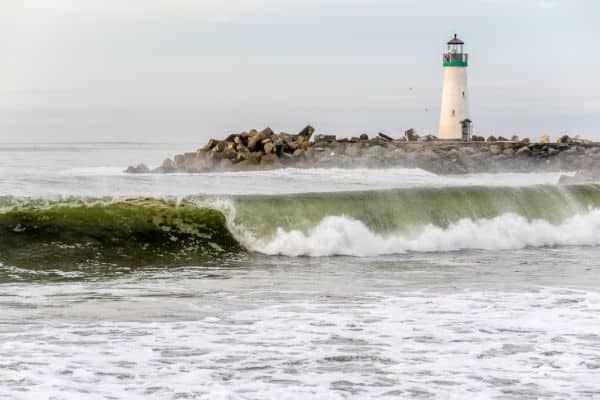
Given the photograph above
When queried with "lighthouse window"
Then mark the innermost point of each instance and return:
(453, 112)
(463, 94)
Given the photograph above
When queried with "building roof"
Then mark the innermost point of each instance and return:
(455, 40)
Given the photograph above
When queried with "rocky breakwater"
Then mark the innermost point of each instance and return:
(265, 149)
(250, 150)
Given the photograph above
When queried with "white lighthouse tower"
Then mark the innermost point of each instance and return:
(454, 116)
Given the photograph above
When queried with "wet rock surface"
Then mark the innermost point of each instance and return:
(265, 149)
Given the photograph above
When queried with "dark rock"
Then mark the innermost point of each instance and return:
(386, 137)
(228, 154)
(253, 141)
(211, 144)
(269, 147)
(257, 155)
(552, 151)
(411, 135)
(428, 138)
(266, 133)
(307, 132)
(219, 147)
(524, 151)
(138, 169)
(298, 153)
(232, 137)
(325, 138)
(268, 150)
(492, 139)
(565, 139)
(563, 146)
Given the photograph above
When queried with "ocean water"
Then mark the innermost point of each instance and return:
(291, 284)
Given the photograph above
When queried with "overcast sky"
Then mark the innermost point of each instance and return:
(184, 70)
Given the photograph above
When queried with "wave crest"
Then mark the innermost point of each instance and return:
(45, 233)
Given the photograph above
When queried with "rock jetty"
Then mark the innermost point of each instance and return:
(265, 149)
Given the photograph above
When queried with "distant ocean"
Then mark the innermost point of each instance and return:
(291, 284)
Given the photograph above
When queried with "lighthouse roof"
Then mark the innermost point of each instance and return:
(455, 40)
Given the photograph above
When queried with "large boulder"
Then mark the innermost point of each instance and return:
(254, 141)
(428, 138)
(298, 153)
(266, 133)
(307, 132)
(524, 151)
(211, 144)
(565, 139)
(411, 135)
(232, 137)
(269, 147)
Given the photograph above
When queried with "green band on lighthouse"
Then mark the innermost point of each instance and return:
(455, 64)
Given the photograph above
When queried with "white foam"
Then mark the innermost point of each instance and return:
(346, 236)
(112, 181)
(469, 345)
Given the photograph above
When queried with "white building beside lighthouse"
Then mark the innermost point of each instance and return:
(454, 116)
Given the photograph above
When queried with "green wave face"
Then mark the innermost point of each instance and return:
(409, 210)
(143, 232)
(132, 231)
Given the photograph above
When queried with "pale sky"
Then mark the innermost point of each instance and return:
(184, 70)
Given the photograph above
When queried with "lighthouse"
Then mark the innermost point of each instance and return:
(454, 116)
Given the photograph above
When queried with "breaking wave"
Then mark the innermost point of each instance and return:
(79, 231)
(346, 236)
